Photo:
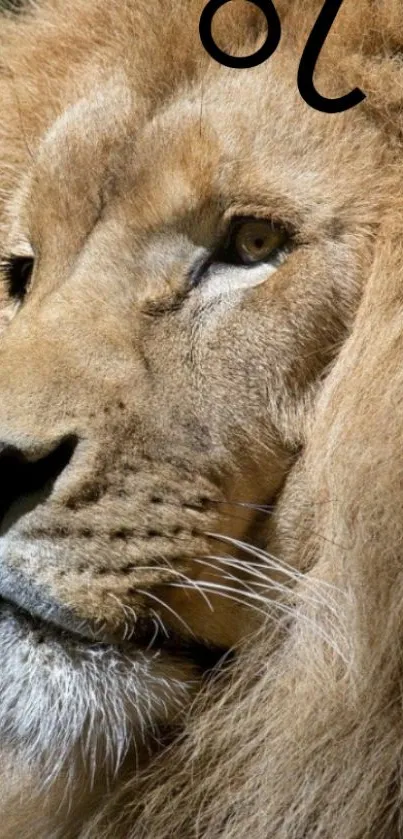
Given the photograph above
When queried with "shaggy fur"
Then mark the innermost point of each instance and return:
(190, 401)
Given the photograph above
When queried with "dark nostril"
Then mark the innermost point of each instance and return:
(28, 480)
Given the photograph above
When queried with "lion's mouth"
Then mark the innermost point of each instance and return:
(147, 638)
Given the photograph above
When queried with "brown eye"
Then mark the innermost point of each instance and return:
(248, 242)
(257, 240)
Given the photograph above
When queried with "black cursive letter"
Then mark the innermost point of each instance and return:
(308, 61)
(268, 48)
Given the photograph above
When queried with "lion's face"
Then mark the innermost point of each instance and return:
(177, 284)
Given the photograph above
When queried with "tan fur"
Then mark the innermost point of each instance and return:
(123, 150)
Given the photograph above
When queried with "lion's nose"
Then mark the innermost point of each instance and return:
(27, 475)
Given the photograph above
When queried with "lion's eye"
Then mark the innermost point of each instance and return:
(17, 271)
(254, 240)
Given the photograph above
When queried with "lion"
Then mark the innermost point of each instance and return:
(200, 321)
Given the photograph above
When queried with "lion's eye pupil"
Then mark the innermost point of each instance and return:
(254, 240)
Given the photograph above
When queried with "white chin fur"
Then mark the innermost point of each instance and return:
(60, 697)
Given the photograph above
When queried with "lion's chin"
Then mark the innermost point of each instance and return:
(63, 695)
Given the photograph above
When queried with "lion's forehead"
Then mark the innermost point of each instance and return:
(162, 164)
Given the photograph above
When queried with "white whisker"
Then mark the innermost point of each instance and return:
(166, 606)
(228, 592)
